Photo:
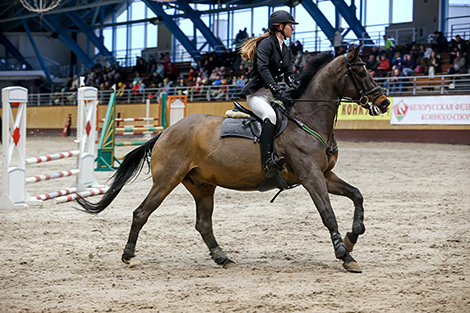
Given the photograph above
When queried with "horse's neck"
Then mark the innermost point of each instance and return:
(319, 116)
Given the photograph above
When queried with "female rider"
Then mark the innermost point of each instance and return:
(273, 61)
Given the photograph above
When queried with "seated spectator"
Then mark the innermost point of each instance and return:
(140, 66)
(460, 65)
(214, 74)
(398, 60)
(217, 80)
(396, 82)
(409, 65)
(152, 64)
(241, 81)
(142, 86)
(384, 66)
(222, 91)
(371, 64)
(434, 64)
(297, 58)
(192, 73)
(180, 84)
(156, 79)
(297, 47)
(136, 79)
(457, 45)
(160, 69)
(440, 41)
(374, 52)
(167, 86)
(98, 65)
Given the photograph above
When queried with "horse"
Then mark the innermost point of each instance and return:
(198, 157)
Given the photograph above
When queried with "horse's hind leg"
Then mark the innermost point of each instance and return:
(140, 216)
(337, 186)
(204, 197)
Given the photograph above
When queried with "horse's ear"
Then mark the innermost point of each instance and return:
(353, 52)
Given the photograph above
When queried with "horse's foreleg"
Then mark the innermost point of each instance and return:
(337, 186)
(316, 186)
(204, 197)
(140, 216)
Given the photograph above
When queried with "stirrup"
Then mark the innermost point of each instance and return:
(272, 165)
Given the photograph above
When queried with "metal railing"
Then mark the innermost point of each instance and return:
(424, 85)
(406, 85)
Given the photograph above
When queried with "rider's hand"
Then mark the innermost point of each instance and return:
(292, 82)
(284, 97)
(280, 94)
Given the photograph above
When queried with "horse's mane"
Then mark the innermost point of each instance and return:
(314, 64)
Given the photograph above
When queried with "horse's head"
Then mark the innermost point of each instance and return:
(359, 84)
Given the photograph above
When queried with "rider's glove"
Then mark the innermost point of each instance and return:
(280, 94)
(292, 82)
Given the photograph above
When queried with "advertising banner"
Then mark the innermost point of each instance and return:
(450, 110)
(354, 112)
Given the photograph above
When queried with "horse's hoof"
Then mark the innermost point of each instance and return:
(349, 245)
(229, 264)
(134, 263)
(352, 267)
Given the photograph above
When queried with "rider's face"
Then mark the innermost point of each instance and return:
(288, 30)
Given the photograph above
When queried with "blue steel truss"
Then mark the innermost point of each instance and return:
(38, 54)
(88, 31)
(213, 41)
(12, 49)
(321, 19)
(53, 25)
(157, 8)
(349, 15)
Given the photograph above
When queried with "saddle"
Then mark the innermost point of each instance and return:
(250, 128)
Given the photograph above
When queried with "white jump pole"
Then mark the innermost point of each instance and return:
(14, 178)
(147, 116)
(14, 147)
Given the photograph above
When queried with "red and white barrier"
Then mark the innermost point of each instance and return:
(56, 194)
(14, 194)
(52, 157)
(130, 119)
(36, 179)
(84, 194)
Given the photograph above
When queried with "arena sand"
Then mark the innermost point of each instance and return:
(414, 254)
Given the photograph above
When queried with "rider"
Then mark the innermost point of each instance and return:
(272, 58)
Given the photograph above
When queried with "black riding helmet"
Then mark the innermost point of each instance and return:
(280, 17)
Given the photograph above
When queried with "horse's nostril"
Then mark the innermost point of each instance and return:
(384, 105)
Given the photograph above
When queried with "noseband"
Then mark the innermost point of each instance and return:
(364, 100)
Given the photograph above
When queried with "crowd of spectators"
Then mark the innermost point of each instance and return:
(227, 69)
(411, 59)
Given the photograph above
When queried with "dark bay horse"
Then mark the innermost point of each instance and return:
(193, 153)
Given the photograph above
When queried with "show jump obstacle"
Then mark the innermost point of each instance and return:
(106, 158)
(14, 150)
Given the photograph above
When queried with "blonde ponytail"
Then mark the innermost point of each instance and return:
(248, 48)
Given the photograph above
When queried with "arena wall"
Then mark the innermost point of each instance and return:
(51, 120)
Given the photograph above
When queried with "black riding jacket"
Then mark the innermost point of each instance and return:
(269, 65)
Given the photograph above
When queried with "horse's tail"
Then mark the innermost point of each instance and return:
(130, 167)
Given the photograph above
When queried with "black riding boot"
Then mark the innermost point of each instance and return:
(270, 165)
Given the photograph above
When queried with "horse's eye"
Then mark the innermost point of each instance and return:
(362, 73)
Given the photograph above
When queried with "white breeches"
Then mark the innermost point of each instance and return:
(259, 103)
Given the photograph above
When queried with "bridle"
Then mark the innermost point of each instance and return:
(364, 100)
